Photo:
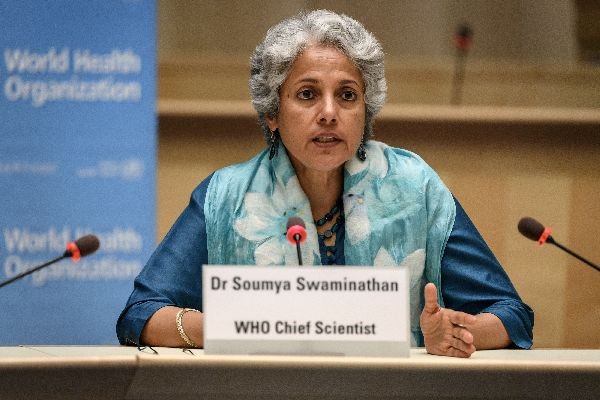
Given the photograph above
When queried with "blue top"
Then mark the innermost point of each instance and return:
(472, 279)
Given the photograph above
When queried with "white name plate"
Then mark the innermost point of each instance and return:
(354, 311)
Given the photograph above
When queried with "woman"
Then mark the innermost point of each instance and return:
(317, 82)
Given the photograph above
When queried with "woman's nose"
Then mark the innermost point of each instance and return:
(328, 111)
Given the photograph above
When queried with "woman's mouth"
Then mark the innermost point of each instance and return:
(325, 139)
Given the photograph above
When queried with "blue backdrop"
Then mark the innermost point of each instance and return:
(77, 156)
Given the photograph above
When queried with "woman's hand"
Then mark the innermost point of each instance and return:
(445, 331)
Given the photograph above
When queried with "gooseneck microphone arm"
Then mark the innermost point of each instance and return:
(297, 239)
(82, 247)
(571, 252)
(31, 271)
(534, 230)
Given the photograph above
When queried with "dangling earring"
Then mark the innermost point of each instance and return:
(274, 143)
(361, 153)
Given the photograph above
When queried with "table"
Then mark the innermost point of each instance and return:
(118, 372)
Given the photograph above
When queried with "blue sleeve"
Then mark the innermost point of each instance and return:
(473, 281)
(173, 274)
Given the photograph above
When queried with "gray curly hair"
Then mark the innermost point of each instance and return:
(272, 59)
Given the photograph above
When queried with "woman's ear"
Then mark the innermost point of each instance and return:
(272, 122)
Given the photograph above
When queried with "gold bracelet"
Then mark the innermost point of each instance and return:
(178, 321)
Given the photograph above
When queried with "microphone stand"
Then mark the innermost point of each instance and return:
(297, 240)
(31, 271)
(577, 256)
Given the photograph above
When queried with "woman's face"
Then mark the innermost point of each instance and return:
(321, 110)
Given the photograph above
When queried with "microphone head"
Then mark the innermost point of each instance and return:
(530, 228)
(295, 220)
(84, 246)
(296, 230)
(463, 37)
(87, 244)
(464, 30)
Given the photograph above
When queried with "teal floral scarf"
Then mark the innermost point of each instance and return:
(397, 211)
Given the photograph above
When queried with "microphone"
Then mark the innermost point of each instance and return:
(534, 230)
(82, 247)
(296, 234)
(463, 39)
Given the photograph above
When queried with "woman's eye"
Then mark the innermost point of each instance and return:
(306, 94)
(348, 95)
